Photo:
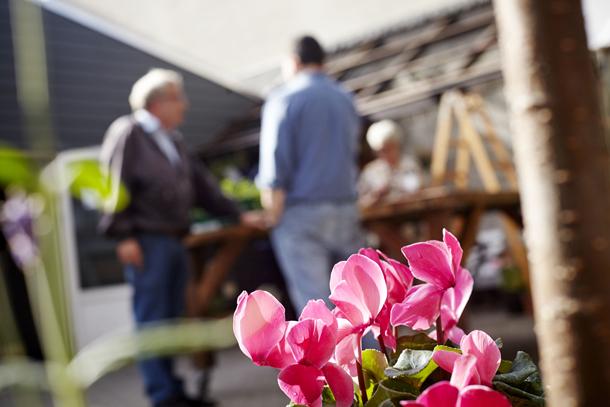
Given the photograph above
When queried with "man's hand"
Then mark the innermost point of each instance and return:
(129, 253)
(273, 203)
(255, 219)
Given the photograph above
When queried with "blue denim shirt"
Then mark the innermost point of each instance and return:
(309, 141)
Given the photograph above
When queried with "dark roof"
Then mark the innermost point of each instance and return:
(90, 75)
(393, 71)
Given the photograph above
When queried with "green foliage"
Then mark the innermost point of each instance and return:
(414, 366)
(243, 191)
(23, 373)
(374, 364)
(522, 382)
(419, 341)
(16, 169)
(115, 351)
(87, 181)
(393, 389)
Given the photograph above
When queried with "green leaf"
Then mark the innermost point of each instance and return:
(519, 398)
(522, 382)
(522, 368)
(447, 348)
(505, 366)
(116, 350)
(25, 373)
(374, 364)
(410, 363)
(393, 390)
(16, 169)
(328, 398)
(419, 341)
(88, 182)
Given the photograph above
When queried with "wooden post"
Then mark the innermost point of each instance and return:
(564, 180)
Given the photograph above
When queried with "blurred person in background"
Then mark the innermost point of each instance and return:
(307, 173)
(393, 173)
(145, 152)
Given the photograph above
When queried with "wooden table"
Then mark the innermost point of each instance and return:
(459, 211)
(436, 207)
(209, 275)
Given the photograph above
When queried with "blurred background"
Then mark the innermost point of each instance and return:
(66, 69)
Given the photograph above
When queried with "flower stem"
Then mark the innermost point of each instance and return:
(382, 347)
(361, 383)
(439, 332)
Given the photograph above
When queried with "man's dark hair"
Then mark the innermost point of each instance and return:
(309, 50)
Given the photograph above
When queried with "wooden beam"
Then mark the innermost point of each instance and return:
(420, 91)
(505, 160)
(440, 155)
(476, 146)
(432, 33)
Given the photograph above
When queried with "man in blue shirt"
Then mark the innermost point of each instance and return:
(307, 173)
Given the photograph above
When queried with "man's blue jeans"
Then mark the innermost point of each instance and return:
(158, 295)
(308, 241)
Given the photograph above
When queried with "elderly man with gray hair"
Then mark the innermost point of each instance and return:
(145, 153)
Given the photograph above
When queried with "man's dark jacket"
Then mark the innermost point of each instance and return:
(161, 194)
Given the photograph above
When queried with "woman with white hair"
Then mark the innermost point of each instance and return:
(393, 173)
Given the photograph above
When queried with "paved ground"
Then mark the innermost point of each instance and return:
(238, 383)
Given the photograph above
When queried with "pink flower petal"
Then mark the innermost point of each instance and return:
(465, 372)
(420, 309)
(258, 324)
(340, 383)
(383, 327)
(350, 304)
(280, 356)
(454, 248)
(455, 334)
(347, 352)
(336, 275)
(371, 254)
(441, 394)
(486, 353)
(463, 290)
(311, 342)
(449, 318)
(302, 384)
(430, 262)
(411, 403)
(445, 359)
(402, 274)
(397, 276)
(368, 281)
(362, 292)
(317, 309)
(481, 396)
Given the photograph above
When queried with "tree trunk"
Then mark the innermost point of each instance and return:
(564, 180)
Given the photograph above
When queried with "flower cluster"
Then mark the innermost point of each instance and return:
(373, 293)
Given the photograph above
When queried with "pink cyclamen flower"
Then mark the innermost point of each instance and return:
(477, 364)
(359, 291)
(312, 342)
(302, 349)
(446, 290)
(259, 325)
(398, 279)
(397, 276)
(444, 394)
